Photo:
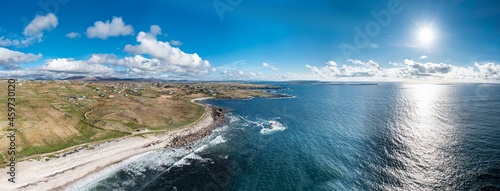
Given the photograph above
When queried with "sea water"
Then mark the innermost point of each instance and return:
(387, 136)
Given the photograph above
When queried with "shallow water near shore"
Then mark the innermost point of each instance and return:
(387, 136)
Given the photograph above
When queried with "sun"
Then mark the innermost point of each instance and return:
(426, 36)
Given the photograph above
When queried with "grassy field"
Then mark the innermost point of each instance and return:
(54, 115)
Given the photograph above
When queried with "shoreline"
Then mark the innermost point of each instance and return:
(59, 173)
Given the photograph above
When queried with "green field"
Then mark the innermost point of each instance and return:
(55, 115)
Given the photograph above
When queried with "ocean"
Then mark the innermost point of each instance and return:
(386, 136)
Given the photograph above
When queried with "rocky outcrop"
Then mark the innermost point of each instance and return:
(218, 115)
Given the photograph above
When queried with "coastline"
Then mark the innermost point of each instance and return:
(59, 173)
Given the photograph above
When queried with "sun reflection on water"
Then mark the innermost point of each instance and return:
(423, 135)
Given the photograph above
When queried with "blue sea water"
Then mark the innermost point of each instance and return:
(387, 136)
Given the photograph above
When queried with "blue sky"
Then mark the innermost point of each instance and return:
(260, 40)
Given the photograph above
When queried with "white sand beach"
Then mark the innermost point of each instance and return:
(59, 173)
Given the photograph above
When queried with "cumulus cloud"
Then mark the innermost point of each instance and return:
(175, 43)
(10, 59)
(427, 68)
(370, 64)
(463, 73)
(331, 63)
(488, 70)
(240, 74)
(7, 42)
(395, 64)
(104, 30)
(423, 57)
(155, 30)
(73, 35)
(69, 65)
(166, 57)
(266, 65)
(139, 63)
(40, 24)
(360, 69)
(150, 58)
(316, 70)
(136, 66)
(33, 32)
(253, 74)
(33, 74)
(409, 70)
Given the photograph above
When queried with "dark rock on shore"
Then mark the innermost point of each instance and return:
(218, 114)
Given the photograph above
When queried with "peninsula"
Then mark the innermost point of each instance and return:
(67, 130)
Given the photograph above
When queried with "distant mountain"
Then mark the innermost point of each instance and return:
(82, 78)
(90, 78)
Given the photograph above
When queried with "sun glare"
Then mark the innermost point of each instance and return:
(426, 36)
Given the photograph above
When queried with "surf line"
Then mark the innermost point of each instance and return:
(11, 113)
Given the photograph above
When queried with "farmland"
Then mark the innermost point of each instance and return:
(55, 115)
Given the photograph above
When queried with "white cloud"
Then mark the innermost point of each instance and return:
(6, 42)
(464, 73)
(115, 28)
(331, 63)
(410, 70)
(152, 58)
(316, 70)
(70, 65)
(33, 32)
(141, 64)
(73, 35)
(175, 43)
(168, 57)
(39, 24)
(427, 68)
(370, 64)
(370, 68)
(32, 74)
(395, 64)
(359, 62)
(10, 59)
(269, 66)
(155, 30)
(252, 74)
(423, 57)
(240, 75)
(489, 70)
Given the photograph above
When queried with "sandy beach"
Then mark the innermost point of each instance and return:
(59, 173)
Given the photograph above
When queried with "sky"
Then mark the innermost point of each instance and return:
(330, 40)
